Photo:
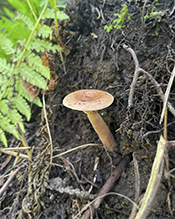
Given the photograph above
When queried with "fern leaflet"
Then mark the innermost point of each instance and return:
(24, 93)
(35, 63)
(44, 31)
(26, 20)
(49, 13)
(22, 106)
(30, 75)
(5, 68)
(6, 45)
(3, 138)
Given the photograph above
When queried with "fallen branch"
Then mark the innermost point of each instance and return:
(107, 186)
(137, 186)
(139, 70)
(154, 181)
(5, 186)
(167, 94)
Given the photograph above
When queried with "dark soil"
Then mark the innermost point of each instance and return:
(96, 59)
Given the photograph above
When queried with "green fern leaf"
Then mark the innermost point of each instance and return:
(37, 45)
(3, 138)
(35, 63)
(3, 82)
(42, 45)
(24, 93)
(15, 117)
(5, 68)
(8, 93)
(6, 45)
(56, 48)
(22, 106)
(4, 107)
(7, 126)
(44, 31)
(49, 13)
(26, 20)
(31, 76)
(37, 101)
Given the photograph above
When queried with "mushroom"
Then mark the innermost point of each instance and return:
(89, 101)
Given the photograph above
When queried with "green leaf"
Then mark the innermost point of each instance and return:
(35, 62)
(31, 76)
(3, 138)
(61, 15)
(5, 68)
(4, 107)
(42, 46)
(44, 31)
(7, 126)
(24, 93)
(26, 20)
(6, 45)
(22, 106)
(49, 13)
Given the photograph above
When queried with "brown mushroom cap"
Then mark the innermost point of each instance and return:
(88, 100)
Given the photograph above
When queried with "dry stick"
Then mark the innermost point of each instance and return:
(137, 187)
(167, 94)
(154, 181)
(5, 186)
(13, 153)
(167, 160)
(165, 137)
(139, 70)
(107, 186)
(143, 12)
(136, 74)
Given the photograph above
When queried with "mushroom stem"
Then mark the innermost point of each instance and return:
(101, 129)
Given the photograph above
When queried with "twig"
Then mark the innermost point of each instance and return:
(109, 193)
(5, 186)
(76, 148)
(95, 177)
(107, 186)
(137, 186)
(154, 181)
(13, 153)
(167, 94)
(143, 12)
(136, 74)
(48, 128)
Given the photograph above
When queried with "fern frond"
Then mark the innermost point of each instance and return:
(7, 126)
(8, 93)
(35, 63)
(44, 31)
(42, 45)
(31, 76)
(3, 82)
(3, 138)
(4, 107)
(6, 45)
(16, 56)
(22, 106)
(49, 13)
(15, 117)
(24, 93)
(56, 48)
(26, 20)
(5, 68)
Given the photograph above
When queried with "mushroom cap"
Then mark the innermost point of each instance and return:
(88, 100)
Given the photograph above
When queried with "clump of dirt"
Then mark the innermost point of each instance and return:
(98, 59)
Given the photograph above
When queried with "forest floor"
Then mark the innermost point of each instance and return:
(96, 59)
